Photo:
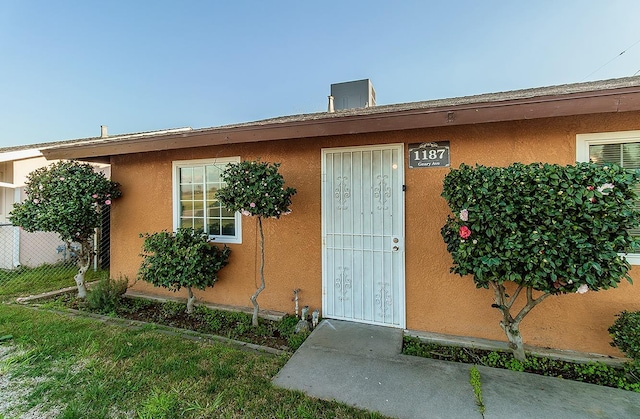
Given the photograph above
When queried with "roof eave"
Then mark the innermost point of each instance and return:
(581, 103)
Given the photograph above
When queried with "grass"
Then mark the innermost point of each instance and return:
(82, 368)
(476, 385)
(25, 281)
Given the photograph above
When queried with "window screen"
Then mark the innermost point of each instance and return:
(623, 154)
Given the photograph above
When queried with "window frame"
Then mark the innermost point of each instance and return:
(583, 141)
(175, 184)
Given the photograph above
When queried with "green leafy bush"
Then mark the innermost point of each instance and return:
(256, 189)
(287, 329)
(549, 228)
(105, 296)
(295, 340)
(66, 198)
(554, 228)
(287, 325)
(625, 333)
(181, 259)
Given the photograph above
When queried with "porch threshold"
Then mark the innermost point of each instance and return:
(265, 314)
(496, 345)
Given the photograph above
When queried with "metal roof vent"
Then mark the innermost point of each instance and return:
(353, 94)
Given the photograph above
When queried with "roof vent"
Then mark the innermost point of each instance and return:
(103, 131)
(353, 94)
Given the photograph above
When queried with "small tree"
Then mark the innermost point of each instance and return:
(256, 189)
(66, 198)
(181, 259)
(547, 228)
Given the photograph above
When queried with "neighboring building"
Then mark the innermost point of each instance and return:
(18, 247)
(363, 242)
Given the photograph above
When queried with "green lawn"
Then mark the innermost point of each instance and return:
(82, 368)
(26, 281)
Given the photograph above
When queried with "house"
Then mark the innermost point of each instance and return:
(363, 241)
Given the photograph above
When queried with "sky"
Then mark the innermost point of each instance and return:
(68, 67)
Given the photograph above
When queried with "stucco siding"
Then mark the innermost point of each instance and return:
(436, 300)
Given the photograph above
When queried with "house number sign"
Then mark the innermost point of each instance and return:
(429, 155)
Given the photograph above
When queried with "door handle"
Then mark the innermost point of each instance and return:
(396, 248)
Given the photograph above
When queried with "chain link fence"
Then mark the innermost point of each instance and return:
(36, 262)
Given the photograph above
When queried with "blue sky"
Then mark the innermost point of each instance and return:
(67, 67)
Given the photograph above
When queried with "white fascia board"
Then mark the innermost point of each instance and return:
(20, 155)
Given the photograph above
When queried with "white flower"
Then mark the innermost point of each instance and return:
(604, 187)
(245, 213)
(582, 289)
(464, 215)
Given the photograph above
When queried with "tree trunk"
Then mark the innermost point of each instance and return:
(512, 330)
(254, 297)
(511, 325)
(79, 278)
(190, 301)
(84, 261)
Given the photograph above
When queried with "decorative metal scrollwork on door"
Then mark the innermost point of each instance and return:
(343, 283)
(342, 192)
(382, 192)
(383, 298)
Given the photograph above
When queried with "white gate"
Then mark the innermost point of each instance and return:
(363, 234)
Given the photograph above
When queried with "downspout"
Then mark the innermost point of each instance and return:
(16, 233)
(95, 250)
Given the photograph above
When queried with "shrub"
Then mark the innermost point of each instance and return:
(105, 296)
(287, 325)
(625, 333)
(295, 340)
(181, 259)
(66, 198)
(256, 189)
(545, 227)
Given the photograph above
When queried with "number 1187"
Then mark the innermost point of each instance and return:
(429, 154)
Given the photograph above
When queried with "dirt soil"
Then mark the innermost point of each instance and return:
(232, 325)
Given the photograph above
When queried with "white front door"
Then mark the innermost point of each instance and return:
(363, 234)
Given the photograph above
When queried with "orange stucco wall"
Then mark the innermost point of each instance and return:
(436, 300)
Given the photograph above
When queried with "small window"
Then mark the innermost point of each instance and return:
(621, 148)
(195, 183)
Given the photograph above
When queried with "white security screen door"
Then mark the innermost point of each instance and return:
(363, 234)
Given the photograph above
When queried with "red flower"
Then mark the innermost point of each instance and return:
(465, 232)
(589, 188)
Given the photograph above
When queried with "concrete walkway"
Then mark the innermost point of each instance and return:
(361, 365)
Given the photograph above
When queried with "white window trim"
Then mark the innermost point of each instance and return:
(583, 141)
(176, 165)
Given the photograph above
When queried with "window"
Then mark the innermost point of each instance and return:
(622, 148)
(195, 183)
